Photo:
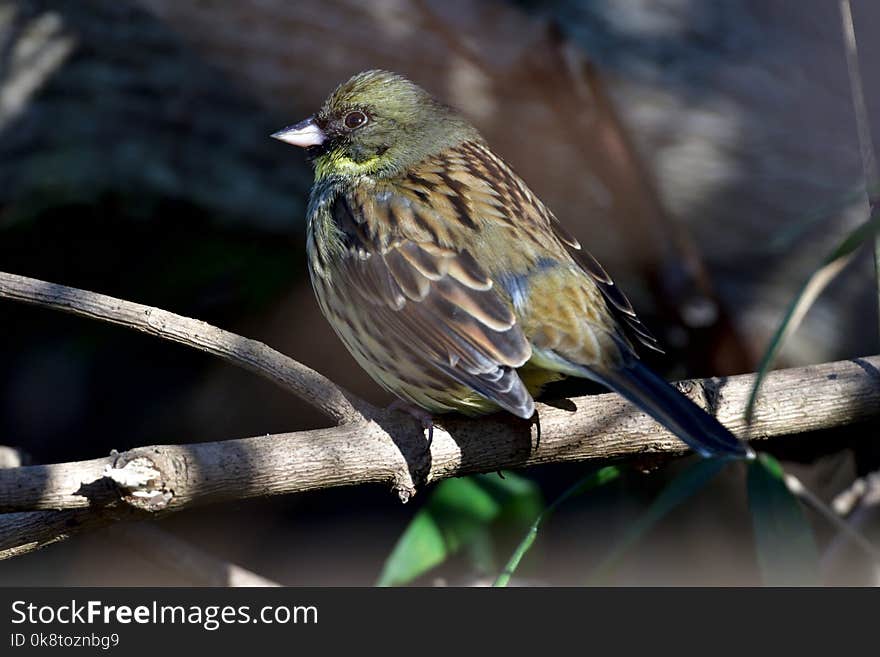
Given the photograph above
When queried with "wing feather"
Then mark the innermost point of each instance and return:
(533, 216)
(434, 299)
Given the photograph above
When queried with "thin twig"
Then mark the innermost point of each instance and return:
(336, 403)
(809, 498)
(859, 507)
(864, 492)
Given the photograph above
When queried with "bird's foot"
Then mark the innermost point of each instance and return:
(418, 413)
(536, 420)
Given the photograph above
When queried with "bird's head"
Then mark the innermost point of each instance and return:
(378, 124)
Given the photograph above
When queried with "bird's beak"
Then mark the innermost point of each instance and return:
(304, 134)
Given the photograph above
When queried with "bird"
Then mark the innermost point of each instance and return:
(447, 278)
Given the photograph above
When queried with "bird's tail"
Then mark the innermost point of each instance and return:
(659, 399)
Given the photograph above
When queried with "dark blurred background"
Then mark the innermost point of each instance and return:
(706, 153)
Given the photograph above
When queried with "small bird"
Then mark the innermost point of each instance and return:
(449, 281)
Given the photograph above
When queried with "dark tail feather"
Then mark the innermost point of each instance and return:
(659, 399)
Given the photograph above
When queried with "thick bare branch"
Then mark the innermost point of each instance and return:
(146, 539)
(314, 388)
(391, 450)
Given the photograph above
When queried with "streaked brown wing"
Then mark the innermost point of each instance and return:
(541, 224)
(431, 302)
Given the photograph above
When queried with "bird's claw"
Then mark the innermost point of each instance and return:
(536, 420)
(420, 414)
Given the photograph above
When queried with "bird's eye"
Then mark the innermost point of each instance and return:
(355, 119)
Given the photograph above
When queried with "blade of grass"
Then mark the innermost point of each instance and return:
(844, 252)
(688, 482)
(593, 480)
(863, 125)
(460, 514)
(818, 280)
(784, 541)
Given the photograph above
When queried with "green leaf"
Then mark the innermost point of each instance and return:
(688, 482)
(460, 514)
(806, 296)
(592, 480)
(786, 548)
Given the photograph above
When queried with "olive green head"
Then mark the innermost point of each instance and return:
(377, 123)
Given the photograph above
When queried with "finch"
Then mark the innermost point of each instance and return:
(449, 281)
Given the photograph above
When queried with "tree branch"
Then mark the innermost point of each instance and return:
(391, 450)
(336, 403)
(152, 543)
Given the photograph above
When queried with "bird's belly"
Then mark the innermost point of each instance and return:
(536, 377)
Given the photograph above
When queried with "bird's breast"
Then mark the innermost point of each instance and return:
(323, 236)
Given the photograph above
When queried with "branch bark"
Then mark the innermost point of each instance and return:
(391, 450)
(336, 403)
